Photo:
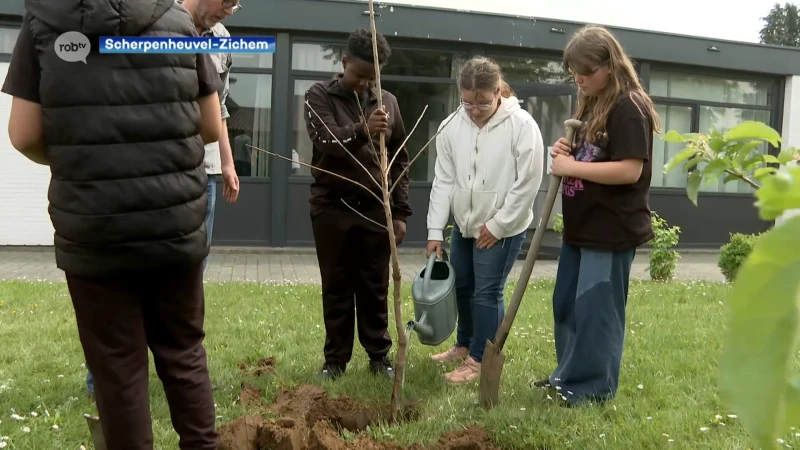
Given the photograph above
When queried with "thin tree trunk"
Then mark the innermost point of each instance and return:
(400, 364)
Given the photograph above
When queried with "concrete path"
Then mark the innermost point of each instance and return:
(300, 265)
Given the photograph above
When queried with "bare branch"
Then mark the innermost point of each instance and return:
(394, 185)
(363, 216)
(366, 127)
(321, 170)
(397, 151)
(342, 145)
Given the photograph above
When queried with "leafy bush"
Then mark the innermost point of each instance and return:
(734, 253)
(663, 259)
(558, 224)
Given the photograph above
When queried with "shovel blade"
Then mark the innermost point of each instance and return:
(491, 371)
(96, 431)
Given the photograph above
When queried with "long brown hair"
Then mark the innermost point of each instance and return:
(483, 74)
(593, 47)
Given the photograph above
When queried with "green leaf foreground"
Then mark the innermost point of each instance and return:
(761, 337)
(763, 311)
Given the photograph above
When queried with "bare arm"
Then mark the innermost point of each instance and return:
(209, 118)
(25, 130)
(225, 151)
(22, 83)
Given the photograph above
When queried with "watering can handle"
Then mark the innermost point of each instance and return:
(426, 277)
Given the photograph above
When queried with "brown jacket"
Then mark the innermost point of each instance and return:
(339, 109)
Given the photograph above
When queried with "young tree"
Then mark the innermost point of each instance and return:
(782, 26)
(386, 188)
(763, 312)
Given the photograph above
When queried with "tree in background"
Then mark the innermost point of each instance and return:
(782, 26)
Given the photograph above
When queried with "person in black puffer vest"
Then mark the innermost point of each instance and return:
(124, 138)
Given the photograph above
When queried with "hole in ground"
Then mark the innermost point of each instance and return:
(308, 419)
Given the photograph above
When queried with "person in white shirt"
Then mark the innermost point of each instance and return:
(489, 166)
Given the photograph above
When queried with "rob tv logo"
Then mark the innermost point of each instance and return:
(73, 46)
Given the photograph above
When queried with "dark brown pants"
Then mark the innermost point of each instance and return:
(353, 255)
(118, 319)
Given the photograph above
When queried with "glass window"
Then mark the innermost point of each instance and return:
(8, 38)
(442, 99)
(302, 149)
(549, 112)
(253, 60)
(250, 106)
(317, 57)
(532, 70)
(403, 62)
(711, 89)
(672, 117)
(423, 63)
(721, 119)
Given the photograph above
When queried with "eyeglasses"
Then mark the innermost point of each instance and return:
(232, 4)
(480, 106)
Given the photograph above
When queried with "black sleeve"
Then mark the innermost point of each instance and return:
(628, 128)
(326, 134)
(23, 73)
(401, 208)
(207, 75)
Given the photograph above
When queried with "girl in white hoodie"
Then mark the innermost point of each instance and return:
(489, 166)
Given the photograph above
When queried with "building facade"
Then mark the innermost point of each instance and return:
(696, 83)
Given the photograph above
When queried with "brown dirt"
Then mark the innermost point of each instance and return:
(311, 420)
(264, 366)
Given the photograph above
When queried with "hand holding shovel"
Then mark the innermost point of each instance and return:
(493, 357)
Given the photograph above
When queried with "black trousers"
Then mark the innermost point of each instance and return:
(354, 256)
(118, 320)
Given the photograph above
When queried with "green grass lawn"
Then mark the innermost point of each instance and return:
(668, 396)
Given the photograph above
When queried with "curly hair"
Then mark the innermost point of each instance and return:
(359, 45)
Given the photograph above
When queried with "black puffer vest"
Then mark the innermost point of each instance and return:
(128, 186)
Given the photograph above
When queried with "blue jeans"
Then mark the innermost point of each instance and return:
(89, 383)
(480, 284)
(589, 302)
(211, 191)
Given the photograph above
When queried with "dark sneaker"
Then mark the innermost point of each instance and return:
(382, 367)
(331, 372)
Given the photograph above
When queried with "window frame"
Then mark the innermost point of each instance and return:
(775, 108)
(9, 25)
(236, 32)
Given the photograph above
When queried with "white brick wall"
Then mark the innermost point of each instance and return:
(23, 189)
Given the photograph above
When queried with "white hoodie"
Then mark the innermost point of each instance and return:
(487, 176)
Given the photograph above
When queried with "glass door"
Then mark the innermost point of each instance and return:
(549, 105)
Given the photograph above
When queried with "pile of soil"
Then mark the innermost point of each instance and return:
(264, 366)
(308, 419)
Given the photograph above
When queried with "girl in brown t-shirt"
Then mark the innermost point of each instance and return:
(606, 181)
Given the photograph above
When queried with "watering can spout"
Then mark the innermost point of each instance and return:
(423, 329)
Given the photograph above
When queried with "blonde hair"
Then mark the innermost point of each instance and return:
(483, 74)
(593, 47)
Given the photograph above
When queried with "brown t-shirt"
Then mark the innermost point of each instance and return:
(23, 73)
(612, 217)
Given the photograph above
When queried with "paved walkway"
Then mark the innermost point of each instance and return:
(300, 266)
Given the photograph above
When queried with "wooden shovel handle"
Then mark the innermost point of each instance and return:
(570, 125)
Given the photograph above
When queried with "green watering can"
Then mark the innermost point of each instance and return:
(434, 295)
